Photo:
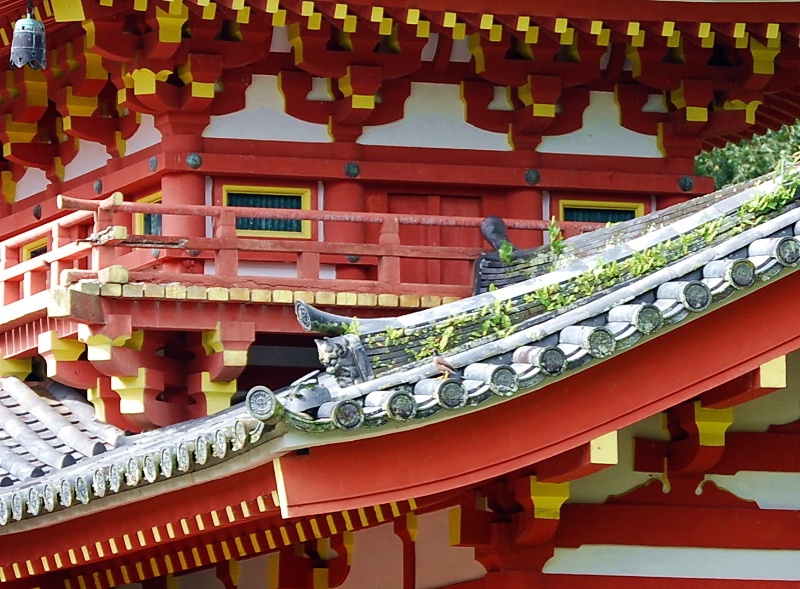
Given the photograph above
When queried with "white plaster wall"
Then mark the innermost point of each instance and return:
(620, 478)
(434, 117)
(377, 560)
(326, 272)
(33, 181)
(90, 156)
(438, 563)
(602, 134)
(700, 563)
(145, 136)
(264, 118)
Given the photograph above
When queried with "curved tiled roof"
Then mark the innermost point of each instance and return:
(504, 343)
(43, 431)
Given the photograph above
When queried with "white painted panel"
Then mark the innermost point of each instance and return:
(264, 118)
(254, 572)
(602, 134)
(377, 560)
(770, 490)
(620, 478)
(438, 563)
(429, 51)
(91, 156)
(459, 52)
(33, 181)
(276, 270)
(702, 563)
(280, 40)
(145, 136)
(780, 407)
(434, 117)
(205, 579)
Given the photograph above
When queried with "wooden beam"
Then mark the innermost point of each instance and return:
(765, 379)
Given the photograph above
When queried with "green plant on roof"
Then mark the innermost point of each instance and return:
(353, 327)
(500, 318)
(506, 252)
(556, 237)
(709, 231)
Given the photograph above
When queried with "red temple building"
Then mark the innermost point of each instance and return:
(252, 334)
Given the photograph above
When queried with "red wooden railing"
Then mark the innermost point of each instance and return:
(85, 241)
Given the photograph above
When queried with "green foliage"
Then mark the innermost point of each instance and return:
(353, 327)
(737, 162)
(506, 252)
(556, 237)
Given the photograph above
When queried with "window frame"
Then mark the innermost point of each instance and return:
(638, 208)
(138, 218)
(26, 250)
(305, 205)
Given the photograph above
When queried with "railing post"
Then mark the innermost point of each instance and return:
(308, 265)
(226, 258)
(104, 256)
(389, 266)
(183, 189)
(10, 288)
(346, 196)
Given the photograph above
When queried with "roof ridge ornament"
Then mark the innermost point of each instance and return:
(28, 45)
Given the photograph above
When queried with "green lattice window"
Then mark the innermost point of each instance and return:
(151, 224)
(598, 215)
(278, 198)
(598, 211)
(277, 201)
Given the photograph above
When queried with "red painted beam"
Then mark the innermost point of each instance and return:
(454, 173)
(768, 452)
(480, 445)
(673, 525)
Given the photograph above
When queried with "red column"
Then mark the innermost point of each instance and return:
(346, 195)
(182, 133)
(524, 203)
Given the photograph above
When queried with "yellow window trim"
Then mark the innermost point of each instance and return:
(27, 250)
(305, 204)
(138, 218)
(636, 207)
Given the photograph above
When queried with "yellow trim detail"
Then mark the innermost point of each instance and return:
(27, 250)
(636, 207)
(604, 449)
(138, 218)
(548, 498)
(712, 424)
(20, 367)
(68, 11)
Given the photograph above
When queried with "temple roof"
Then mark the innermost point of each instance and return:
(46, 430)
(604, 293)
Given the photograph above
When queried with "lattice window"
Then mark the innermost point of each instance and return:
(280, 198)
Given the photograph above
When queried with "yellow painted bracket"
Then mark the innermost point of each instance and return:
(712, 424)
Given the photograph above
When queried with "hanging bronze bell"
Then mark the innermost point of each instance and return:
(28, 43)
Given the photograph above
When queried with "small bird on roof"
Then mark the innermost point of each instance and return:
(444, 367)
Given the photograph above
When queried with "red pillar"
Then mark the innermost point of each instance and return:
(183, 135)
(346, 195)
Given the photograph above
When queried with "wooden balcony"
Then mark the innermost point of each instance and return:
(91, 247)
